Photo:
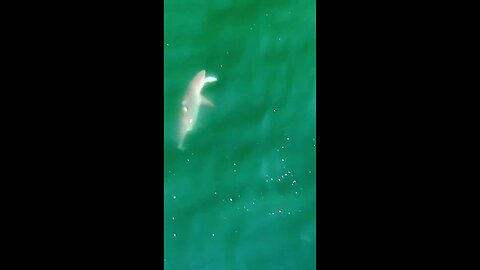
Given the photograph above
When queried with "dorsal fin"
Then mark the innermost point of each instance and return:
(199, 79)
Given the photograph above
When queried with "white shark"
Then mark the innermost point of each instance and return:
(191, 105)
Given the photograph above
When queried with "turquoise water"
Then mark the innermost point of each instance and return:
(242, 194)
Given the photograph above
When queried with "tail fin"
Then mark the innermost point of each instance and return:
(210, 79)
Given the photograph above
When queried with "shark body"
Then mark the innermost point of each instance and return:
(191, 105)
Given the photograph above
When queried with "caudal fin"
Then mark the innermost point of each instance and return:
(210, 79)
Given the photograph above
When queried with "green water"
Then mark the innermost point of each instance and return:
(242, 194)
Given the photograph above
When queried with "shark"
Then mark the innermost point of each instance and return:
(191, 103)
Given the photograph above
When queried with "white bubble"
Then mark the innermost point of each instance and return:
(174, 235)
(174, 197)
(280, 211)
(231, 199)
(213, 234)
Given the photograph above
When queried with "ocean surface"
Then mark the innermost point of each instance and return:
(242, 193)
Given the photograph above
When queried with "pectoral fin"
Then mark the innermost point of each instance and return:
(205, 101)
